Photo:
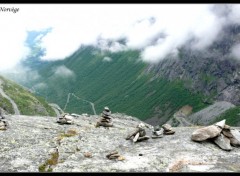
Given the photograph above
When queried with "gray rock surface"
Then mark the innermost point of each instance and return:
(223, 142)
(30, 141)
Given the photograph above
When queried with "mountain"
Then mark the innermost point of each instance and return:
(94, 77)
(115, 79)
(15, 99)
(46, 145)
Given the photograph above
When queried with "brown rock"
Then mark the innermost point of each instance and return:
(169, 132)
(88, 155)
(167, 127)
(234, 142)
(227, 127)
(206, 133)
(227, 133)
(112, 153)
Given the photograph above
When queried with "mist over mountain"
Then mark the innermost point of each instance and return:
(149, 66)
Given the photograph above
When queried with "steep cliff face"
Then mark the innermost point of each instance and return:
(213, 70)
(34, 144)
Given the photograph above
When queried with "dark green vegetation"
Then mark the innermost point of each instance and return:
(121, 84)
(232, 116)
(28, 103)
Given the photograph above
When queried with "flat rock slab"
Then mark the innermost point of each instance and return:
(29, 140)
(223, 142)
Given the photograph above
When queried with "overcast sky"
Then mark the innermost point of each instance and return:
(157, 29)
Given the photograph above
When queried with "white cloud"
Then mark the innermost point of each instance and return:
(39, 86)
(63, 71)
(236, 51)
(156, 29)
(107, 59)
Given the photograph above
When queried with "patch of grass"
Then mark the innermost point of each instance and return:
(50, 162)
(6, 105)
(28, 104)
(42, 168)
(232, 116)
(69, 133)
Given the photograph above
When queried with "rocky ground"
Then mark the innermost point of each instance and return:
(34, 143)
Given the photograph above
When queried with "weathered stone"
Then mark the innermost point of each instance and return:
(235, 138)
(227, 133)
(3, 125)
(227, 127)
(234, 142)
(157, 134)
(143, 138)
(136, 137)
(169, 132)
(236, 134)
(88, 155)
(221, 124)
(167, 127)
(206, 133)
(223, 142)
(112, 153)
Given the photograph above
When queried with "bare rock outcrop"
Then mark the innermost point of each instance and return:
(39, 144)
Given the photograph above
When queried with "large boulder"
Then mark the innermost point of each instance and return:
(206, 133)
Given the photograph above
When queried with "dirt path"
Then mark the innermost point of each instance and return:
(15, 108)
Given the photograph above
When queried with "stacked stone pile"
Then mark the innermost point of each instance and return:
(139, 134)
(105, 120)
(65, 118)
(220, 133)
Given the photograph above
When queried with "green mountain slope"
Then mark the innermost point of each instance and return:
(120, 83)
(26, 102)
(232, 116)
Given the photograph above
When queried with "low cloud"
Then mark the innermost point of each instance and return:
(235, 52)
(39, 86)
(21, 74)
(107, 59)
(158, 30)
(63, 71)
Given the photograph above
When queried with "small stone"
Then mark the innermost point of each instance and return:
(167, 127)
(120, 158)
(169, 132)
(88, 155)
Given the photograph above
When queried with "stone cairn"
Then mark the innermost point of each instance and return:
(115, 155)
(159, 132)
(105, 119)
(3, 123)
(65, 118)
(139, 134)
(220, 133)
